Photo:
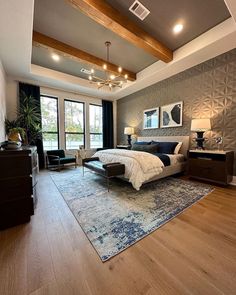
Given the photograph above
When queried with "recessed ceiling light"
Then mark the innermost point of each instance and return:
(55, 57)
(178, 28)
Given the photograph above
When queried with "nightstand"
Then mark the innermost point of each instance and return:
(123, 146)
(211, 165)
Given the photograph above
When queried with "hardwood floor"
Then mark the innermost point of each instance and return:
(195, 253)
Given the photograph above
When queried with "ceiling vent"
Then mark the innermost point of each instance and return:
(85, 71)
(139, 10)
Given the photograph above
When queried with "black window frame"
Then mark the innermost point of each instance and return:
(94, 133)
(52, 132)
(75, 101)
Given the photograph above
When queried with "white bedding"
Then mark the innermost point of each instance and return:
(175, 159)
(139, 166)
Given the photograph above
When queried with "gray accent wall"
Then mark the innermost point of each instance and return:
(207, 90)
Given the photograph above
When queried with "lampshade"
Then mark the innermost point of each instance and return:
(200, 125)
(129, 130)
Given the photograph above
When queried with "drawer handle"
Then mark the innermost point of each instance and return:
(201, 158)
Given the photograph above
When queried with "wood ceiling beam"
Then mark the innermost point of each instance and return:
(67, 50)
(112, 19)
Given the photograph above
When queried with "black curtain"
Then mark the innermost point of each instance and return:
(34, 91)
(107, 130)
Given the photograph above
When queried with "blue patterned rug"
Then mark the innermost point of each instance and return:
(115, 220)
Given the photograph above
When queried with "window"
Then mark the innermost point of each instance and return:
(95, 120)
(49, 113)
(74, 124)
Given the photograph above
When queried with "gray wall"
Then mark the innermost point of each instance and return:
(207, 90)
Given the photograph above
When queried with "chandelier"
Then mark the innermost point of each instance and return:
(110, 80)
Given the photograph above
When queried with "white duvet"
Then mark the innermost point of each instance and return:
(139, 166)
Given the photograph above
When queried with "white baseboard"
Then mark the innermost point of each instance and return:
(233, 181)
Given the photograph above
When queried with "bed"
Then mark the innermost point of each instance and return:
(143, 167)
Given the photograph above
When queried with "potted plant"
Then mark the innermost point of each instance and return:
(16, 134)
(28, 120)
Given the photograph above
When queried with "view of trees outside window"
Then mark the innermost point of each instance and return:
(74, 124)
(95, 120)
(49, 113)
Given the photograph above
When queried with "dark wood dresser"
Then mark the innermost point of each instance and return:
(18, 181)
(211, 165)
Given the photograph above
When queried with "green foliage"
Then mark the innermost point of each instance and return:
(28, 119)
(11, 124)
(19, 130)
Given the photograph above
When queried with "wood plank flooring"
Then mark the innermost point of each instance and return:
(195, 253)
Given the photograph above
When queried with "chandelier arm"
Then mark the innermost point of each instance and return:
(100, 79)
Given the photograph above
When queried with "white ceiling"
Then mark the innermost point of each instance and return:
(16, 24)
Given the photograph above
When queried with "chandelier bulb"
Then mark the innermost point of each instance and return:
(90, 78)
(112, 77)
(126, 76)
(120, 69)
(104, 66)
(92, 71)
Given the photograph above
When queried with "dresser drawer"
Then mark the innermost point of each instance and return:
(15, 188)
(16, 212)
(207, 169)
(15, 166)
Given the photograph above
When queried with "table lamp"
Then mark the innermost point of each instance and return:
(129, 131)
(200, 126)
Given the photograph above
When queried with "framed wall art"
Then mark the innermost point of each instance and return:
(171, 115)
(151, 118)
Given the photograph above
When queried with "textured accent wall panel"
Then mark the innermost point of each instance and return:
(207, 90)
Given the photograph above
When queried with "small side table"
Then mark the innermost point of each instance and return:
(211, 165)
(81, 154)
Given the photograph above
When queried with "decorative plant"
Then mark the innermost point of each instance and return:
(11, 124)
(28, 119)
(19, 130)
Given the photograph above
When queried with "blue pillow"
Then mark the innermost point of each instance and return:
(142, 142)
(165, 147)
(148, 148)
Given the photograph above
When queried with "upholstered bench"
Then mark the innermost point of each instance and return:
(106, 170)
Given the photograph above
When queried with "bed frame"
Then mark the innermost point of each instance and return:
(174, 169)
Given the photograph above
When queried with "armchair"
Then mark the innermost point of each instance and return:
(57, 159)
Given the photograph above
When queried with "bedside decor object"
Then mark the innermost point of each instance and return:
(172, 115)
(211, 165)
(200, 126)
(151, 118)
(219, 141)
(129, 131)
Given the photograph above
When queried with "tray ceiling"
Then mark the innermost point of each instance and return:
(197, 16)
(59, 20)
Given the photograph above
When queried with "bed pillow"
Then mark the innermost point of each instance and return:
(149, 148)
(143, 142)
(165, 147)
(177, 148)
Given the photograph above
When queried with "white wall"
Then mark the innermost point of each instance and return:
(2, 102)
(12, 101)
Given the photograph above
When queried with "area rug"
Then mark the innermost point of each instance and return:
(117, 219)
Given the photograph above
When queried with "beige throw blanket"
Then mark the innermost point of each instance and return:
(139, 166)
